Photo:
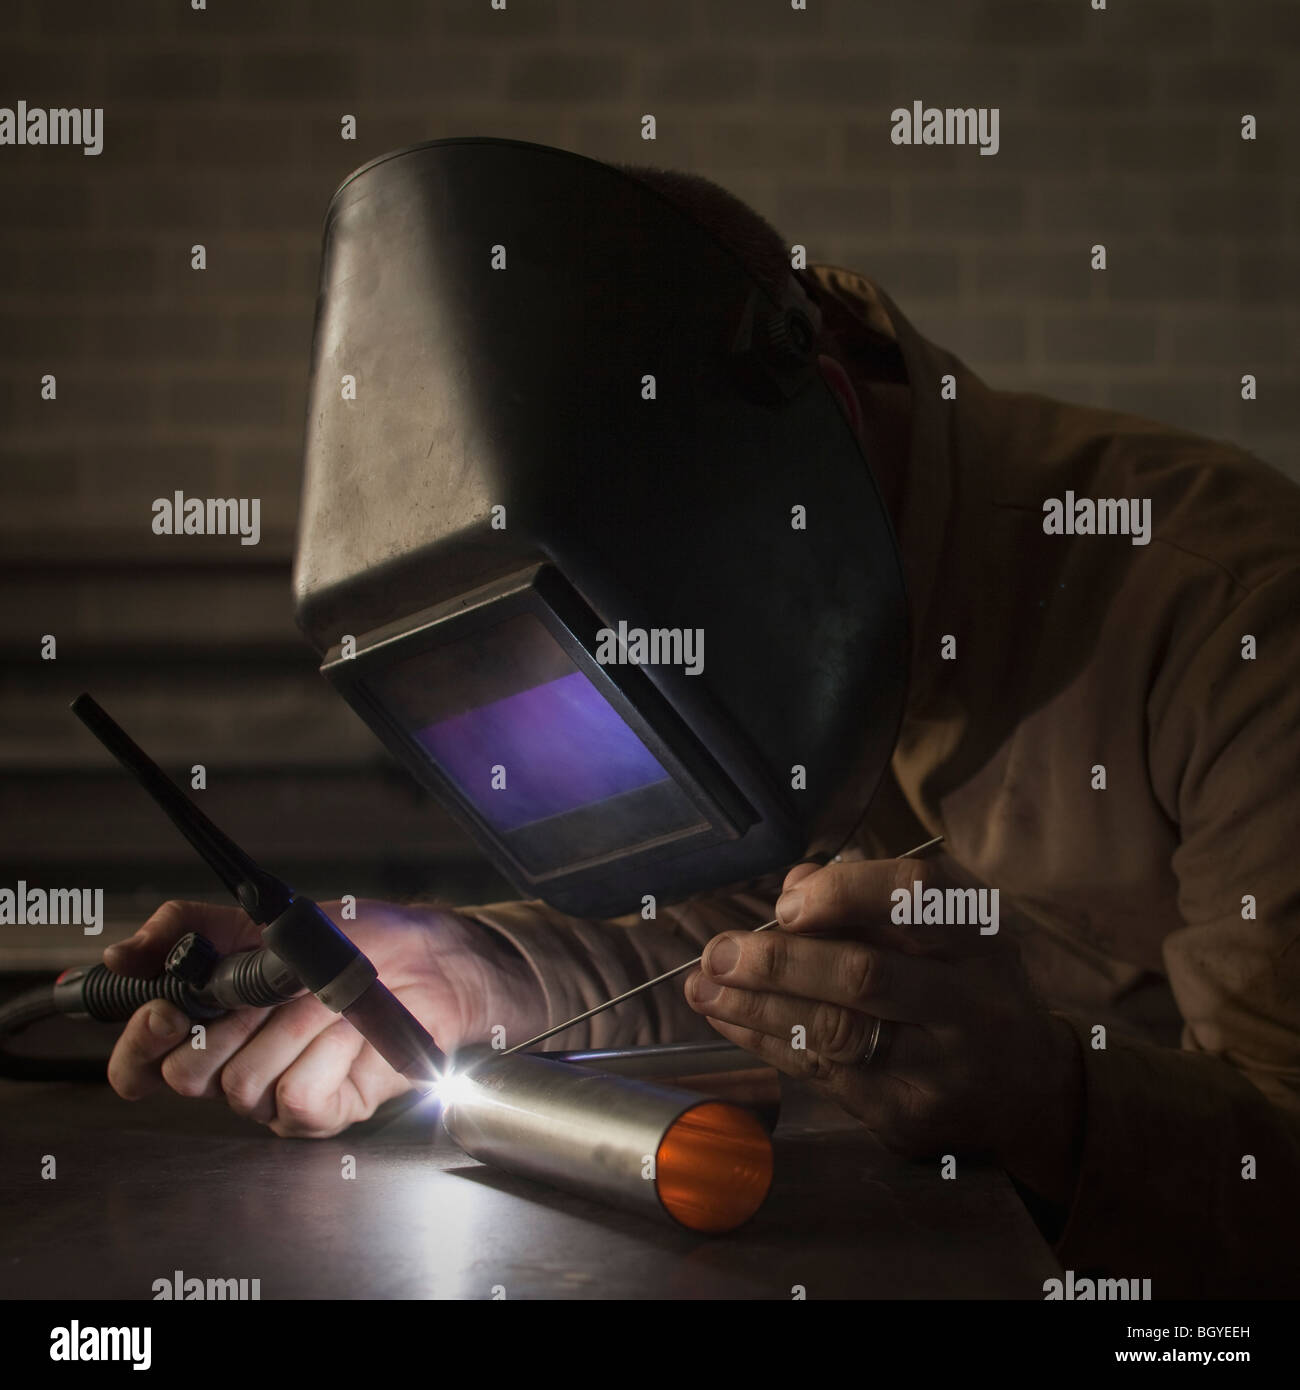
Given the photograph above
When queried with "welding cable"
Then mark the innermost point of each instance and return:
(18, 1014)
(87, 992)
(197, 982)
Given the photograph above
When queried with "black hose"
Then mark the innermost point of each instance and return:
(112, 998)
(254, 979)
(20, 1013)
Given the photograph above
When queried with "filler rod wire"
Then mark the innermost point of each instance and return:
(659, 979)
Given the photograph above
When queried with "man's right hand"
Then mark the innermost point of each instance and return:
(299, 1069)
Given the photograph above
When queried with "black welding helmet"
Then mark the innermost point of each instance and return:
(585, 538)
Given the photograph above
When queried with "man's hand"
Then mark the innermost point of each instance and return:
(968, 1061)
(299, 1069)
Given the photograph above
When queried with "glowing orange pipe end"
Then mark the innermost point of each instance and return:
(714, 1167)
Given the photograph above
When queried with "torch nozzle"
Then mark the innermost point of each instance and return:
(396, 1034)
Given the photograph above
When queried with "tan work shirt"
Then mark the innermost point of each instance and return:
(1164, 907)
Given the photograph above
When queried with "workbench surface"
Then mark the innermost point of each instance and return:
(145, 1189)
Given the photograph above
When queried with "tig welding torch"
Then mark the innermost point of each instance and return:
(302, 949)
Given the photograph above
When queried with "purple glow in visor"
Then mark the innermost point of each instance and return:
(562, 745)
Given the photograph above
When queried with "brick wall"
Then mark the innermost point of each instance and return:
(222, 127)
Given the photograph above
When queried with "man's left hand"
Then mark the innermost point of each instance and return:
(968, 1060)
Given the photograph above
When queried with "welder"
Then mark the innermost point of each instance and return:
(589, 396)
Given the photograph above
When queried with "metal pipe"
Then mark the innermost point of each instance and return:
(718, 1069)
(704, 1163)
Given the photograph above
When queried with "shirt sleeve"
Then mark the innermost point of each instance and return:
(579, 963)
(1190, 1169)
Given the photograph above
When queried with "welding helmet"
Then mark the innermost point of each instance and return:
(585, 537)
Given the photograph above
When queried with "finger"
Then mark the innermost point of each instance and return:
(837, 1034)
(369, 1082)
(870, 979)
(134, 1069)
(799, 873)
(833, 1032)
(315, 1097)
(836, 896)
(874, 1097)
(888, 901)
(374, 1081)
(144, 954)
(195, 1071)
(250, 1076)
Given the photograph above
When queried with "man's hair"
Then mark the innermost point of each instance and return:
(746, 234)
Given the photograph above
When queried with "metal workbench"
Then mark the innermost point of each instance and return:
(146, 1189)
